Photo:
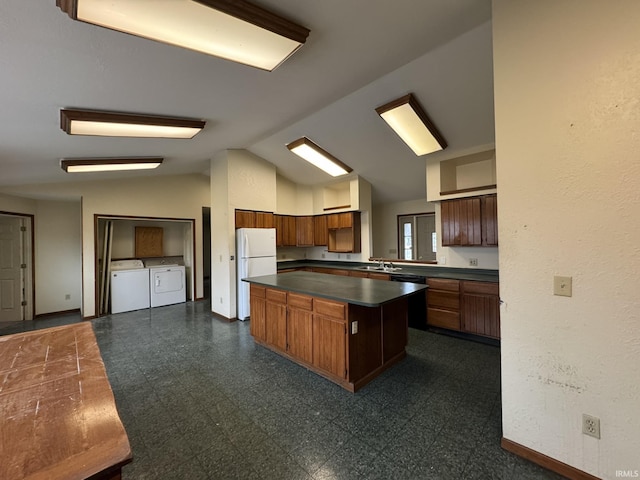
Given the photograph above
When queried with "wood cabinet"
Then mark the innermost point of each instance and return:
(320, 230)
(300, 326)
(443, 303)
(349, 344)
(254, 219)
(469, 221)
(464, 305)
(257, 306)
(276, 318)
(344, 232)
(304, 231)
(481, 308)
(489, 209)
(148, 242)
(341, 220)
(286, 233)
(265, 220)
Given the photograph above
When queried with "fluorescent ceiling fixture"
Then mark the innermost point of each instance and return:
(312, 153)
(407, 118)
(82, 165)
(108, 124)
(231, 29)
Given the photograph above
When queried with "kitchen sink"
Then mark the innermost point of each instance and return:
(372, 268)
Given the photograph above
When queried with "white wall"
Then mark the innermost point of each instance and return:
(58, 259)
(124, 237)
(567, 116)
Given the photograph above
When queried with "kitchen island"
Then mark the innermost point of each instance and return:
(347, 329)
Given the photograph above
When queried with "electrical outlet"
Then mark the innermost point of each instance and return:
(67, 296)
(323, 255)
(354, 328)
(590, 425)
(348, 257)
(473, 262)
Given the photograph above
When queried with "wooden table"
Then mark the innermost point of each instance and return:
(58, 418)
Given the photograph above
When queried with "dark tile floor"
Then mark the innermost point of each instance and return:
(200, 400)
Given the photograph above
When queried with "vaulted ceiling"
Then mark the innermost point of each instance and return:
(360, 54)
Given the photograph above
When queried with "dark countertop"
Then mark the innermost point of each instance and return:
(435, 271)
(359, 291)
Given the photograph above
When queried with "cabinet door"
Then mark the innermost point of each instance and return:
(490, 220)
(461, 222)
(245, 219)
(258, 305)
(276, 318)
(320, 230)
(290, 232)
(481, 308)
(300, 334)
(304, 231)
(265, 220)
(329, 345)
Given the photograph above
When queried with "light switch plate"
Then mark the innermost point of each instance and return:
(562, 286)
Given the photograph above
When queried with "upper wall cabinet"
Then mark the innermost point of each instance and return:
(304, 231)
(469, 221)
(344, 232)
(253, 219)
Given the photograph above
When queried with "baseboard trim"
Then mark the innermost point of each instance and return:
(40, 316)
(545, 461)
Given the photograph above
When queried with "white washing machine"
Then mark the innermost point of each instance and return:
(129, 286)
(167, 285)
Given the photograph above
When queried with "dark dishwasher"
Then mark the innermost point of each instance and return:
(417, 302)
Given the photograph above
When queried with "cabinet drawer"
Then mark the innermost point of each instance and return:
(444, 284)
(277, 296)
(437, 298)
(298, 300)
(258, 292)
(329, 308)
(443, 318)
(485, 288)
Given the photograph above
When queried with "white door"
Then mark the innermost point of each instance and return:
(11, 279)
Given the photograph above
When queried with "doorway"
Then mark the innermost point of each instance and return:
(16, 267)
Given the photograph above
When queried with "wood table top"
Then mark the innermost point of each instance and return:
(58, 418)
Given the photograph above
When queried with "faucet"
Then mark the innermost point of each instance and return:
(381, 263)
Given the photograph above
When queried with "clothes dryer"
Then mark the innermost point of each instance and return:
(167, 285)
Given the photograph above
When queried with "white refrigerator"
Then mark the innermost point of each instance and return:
(256, 256)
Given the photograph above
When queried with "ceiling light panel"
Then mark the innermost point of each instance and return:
(109, 124)
(314, 154)
(84, 165)
(409, 120)
(231, 29)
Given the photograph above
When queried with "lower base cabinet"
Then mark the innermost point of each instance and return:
(481, 308)
(318, 334)
(464, 306)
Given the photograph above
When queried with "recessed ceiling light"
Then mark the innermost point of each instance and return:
(314, 154)
(409, 120)
(111, 124)
(231, 29)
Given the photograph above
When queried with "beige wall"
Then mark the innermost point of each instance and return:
(239, 179)
(57, 251)
(58, 259)
(180, 196)
(567, 142)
